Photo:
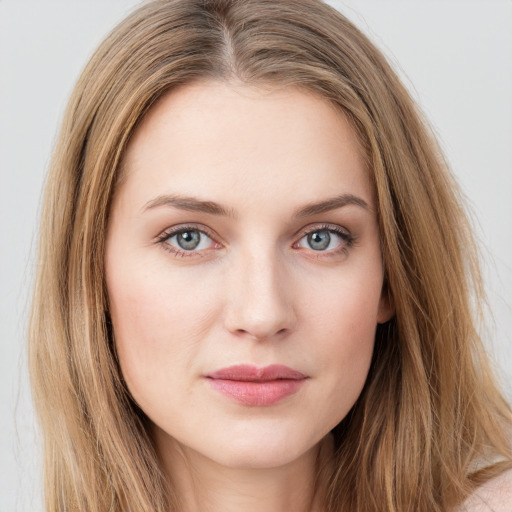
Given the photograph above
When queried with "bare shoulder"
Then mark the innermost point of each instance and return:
(493, 496)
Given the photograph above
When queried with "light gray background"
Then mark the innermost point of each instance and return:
(455, 56)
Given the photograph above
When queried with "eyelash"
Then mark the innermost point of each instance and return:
(348, 240)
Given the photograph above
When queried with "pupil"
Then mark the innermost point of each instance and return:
(188, 240)
(319, 240)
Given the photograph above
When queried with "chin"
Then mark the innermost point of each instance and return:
(260, 450)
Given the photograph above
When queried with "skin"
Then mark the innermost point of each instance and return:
(255, 291)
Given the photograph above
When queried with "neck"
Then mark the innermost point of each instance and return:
(202, 485)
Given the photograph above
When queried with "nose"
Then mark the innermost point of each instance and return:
(259, 304)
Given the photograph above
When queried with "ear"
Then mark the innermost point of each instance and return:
(386, 306)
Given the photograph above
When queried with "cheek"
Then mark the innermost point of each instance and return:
(348, 353)
(157, 324)
(345, 309)
(344, 319)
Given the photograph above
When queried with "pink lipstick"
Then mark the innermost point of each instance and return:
(249, 385)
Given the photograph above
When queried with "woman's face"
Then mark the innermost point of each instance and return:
(244, 271)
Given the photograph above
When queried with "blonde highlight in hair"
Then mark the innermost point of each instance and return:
(430, 414)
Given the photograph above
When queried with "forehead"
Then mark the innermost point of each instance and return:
(239, 141)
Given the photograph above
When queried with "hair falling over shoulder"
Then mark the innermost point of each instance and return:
(430, 424)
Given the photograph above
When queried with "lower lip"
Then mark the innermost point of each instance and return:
(257, 393)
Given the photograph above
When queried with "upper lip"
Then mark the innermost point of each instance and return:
(249, 373)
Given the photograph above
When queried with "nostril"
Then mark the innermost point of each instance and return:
(260, 332)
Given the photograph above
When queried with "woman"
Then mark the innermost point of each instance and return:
(256, 280)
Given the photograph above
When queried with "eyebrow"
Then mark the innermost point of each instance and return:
(193, 204)
(331, 204)
(190, 204)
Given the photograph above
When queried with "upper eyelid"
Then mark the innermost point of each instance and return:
(172, 231)
(204, 229)
(322, 227)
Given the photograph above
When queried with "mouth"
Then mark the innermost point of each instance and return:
(250, 385)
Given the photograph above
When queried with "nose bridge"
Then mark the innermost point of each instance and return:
(259, 302)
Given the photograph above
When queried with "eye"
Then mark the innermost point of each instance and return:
(332, 239)
(186, 241)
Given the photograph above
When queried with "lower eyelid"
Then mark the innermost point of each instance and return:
(180, 252)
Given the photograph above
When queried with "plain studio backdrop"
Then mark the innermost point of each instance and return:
(454, 55)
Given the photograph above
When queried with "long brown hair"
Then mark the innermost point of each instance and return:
(430, 423)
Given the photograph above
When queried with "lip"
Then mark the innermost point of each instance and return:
(250, 385)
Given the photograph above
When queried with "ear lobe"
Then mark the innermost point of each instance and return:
(386, 307)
